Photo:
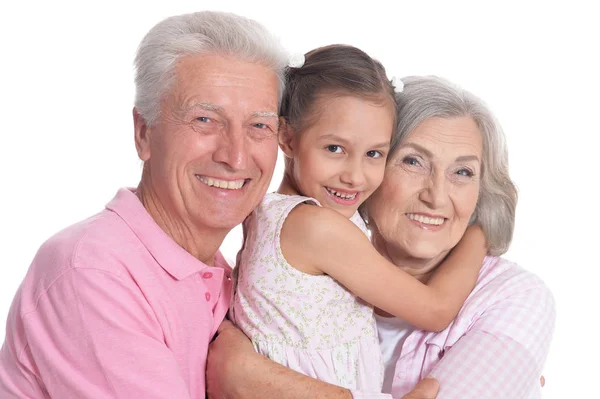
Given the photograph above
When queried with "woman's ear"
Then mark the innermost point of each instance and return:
(286, 138)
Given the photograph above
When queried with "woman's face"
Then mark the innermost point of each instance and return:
(430, 189)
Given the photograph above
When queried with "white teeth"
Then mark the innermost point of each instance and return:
(342, 195)
(227, 184)
(425, 219)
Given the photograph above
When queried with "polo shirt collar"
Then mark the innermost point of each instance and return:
(172, 258)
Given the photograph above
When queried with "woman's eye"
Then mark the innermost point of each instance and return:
(411, 161)
(203, 119)
(374, 154)
(465, 172)
(334, 148)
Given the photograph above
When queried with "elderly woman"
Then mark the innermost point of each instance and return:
(448, 164)
(447, 168)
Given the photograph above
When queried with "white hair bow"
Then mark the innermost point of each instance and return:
(296, 60)
(398, 84)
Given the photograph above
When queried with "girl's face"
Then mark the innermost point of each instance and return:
(340, 158)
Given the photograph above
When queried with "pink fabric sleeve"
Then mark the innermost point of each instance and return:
(93, 335)
(503, 353)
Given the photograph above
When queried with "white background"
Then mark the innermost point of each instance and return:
(66, 137)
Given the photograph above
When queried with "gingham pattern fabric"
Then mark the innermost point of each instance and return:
(494, 349)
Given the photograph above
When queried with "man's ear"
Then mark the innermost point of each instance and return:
(286, 138)
(142, 136)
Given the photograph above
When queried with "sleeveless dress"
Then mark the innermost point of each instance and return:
(308, 323)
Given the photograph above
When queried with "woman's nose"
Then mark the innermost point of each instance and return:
(435, 192)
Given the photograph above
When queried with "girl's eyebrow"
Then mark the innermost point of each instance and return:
(345, 141)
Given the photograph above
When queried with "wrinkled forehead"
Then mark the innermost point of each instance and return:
(439, 137)
(223, 82)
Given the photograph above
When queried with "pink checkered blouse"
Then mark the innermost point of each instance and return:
(494, 349)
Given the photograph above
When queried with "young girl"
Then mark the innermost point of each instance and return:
(307, 274)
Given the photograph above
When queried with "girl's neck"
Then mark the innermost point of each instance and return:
(287, 185)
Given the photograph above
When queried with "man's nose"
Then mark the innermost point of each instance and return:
(232, 149)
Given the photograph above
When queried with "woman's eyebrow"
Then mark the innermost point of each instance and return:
(465, 158)
(418, 148)
(462, 158)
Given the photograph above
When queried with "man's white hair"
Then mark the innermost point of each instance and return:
(206, 32)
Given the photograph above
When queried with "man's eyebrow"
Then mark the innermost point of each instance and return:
(205, 106)
(265, 114)
(217, 108)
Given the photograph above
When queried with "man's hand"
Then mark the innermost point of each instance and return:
(426, 389)
(226, 354)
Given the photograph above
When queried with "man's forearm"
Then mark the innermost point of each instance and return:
(279, 382)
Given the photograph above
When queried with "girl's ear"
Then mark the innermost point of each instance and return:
(286, 138)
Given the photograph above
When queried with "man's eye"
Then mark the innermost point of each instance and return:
(260, 125)
(334, 148)
(203, 119)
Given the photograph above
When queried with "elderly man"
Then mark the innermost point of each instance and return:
(124, 304)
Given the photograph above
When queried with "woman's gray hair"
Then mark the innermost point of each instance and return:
(206, 32)
(427, 97)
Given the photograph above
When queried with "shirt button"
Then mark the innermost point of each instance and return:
(207, 275)
(207, 296)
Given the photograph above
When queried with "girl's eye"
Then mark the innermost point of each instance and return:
(334, 148)
(374, 154)
(203, 119)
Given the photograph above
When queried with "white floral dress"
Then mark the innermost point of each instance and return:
(309, 323)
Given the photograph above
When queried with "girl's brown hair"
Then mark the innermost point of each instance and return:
(332, 70)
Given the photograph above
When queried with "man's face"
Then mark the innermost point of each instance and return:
(210, 156)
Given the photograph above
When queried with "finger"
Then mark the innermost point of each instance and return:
(542, 381)
(426, 389)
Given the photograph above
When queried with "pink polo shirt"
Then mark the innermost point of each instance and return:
(111, 307)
